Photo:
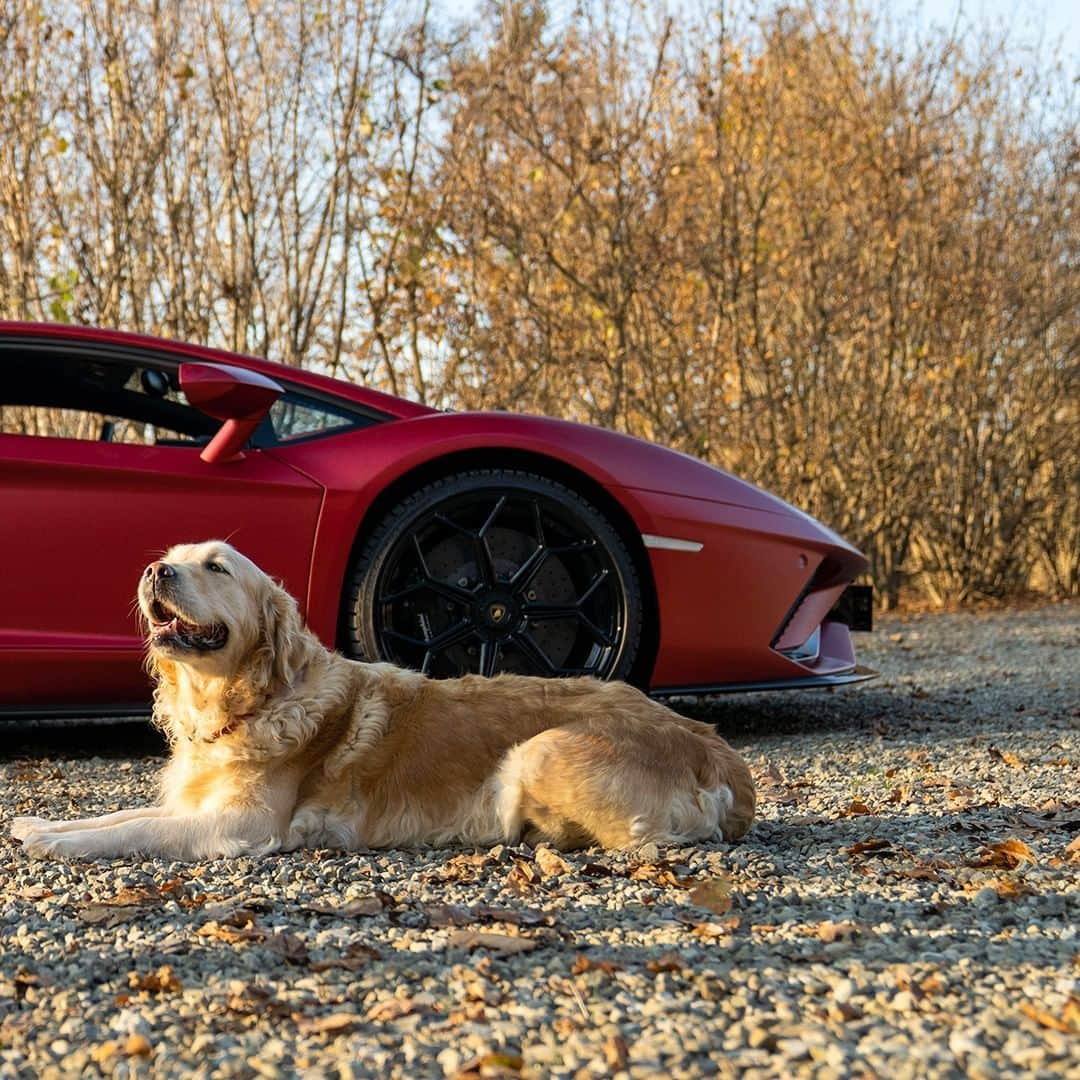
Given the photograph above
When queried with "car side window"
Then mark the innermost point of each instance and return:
(295, 417)
(69, 396)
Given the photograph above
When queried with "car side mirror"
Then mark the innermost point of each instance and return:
(240, 397)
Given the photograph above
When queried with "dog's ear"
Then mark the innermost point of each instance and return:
(282, 648)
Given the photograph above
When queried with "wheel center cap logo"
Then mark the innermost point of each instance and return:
(497, 612)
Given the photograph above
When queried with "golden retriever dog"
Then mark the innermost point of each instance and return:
(278, 743)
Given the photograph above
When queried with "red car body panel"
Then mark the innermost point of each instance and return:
(80, 518)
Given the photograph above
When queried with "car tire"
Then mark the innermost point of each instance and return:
(491, 571)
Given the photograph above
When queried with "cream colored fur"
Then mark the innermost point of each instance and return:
(278, 743)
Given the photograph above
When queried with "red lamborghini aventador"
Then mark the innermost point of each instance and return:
(448, 542)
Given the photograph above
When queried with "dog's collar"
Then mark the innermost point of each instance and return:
(227, 728)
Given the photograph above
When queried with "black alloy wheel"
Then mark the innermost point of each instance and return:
(495, 571)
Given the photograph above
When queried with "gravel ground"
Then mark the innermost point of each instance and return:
(906, 905)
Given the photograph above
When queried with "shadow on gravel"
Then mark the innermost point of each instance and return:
(59, 739)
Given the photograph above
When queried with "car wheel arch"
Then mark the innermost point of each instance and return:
(444, 466)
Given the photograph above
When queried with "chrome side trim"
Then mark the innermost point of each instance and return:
(670, 543)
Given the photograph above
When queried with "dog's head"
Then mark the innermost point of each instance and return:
(212, 611)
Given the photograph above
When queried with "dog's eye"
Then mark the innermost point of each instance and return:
(216, 568)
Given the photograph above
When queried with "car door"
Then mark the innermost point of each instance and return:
(99, 474)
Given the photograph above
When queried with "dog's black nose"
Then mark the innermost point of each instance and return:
(159, 570)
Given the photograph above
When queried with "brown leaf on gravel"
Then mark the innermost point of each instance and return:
(34, 892)
(585, 963)
(669, 961)
(857, 808)
(514, 916)
(1068, 1023)
(709, 931)
(659, 873)
(550, 863)
(107, 916)
(1072, 851)
(441, 916)
(162, 981)
(1012, 888)
(1047, 822)
(250, 1000)
(491, 1065)
(960, 791)
(1007, 757)
(523, 877)
(351, 909)
(465, 867)
(713, 893)
(616, 1052)
(383, 1012)
(501, 943)
(33, 770)
(1007, 855)
(876, 846)
(138, 1046)
(774, 774)
(355, 957)
(288, 946)
(229, 934)
(322, 1025)
(829, 931)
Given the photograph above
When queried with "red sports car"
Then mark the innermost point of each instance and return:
(448, 542)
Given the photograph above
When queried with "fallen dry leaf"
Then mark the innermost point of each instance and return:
(351, 909)
(230, 934)
(322, 1025)
(523, 877)
(1011, 888)
(1068, 1023)
(104, 1051)
(710, 930)
(857, 808)
(1072, 851)
(829, 931)
(872, 846)
(515, 916)
(585, 963)
(34, 892)
(441, 916)
(1007, 757)
(616, 1052)
(480, 939)
(495, 1064)
(108, 916)
(658, 873)
(551, 864)
(137, 1046)
(288, 946)
(713, 893)
(250, 1000)
(356, 956)
(668, 962)
(1007, 855)
(384, 1012)
(162, 981)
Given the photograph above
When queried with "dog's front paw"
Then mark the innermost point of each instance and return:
(49, 845)
(21, 827)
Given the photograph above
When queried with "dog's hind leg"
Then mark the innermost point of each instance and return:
(582, 784)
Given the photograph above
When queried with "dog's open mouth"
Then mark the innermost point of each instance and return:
(169, 627)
